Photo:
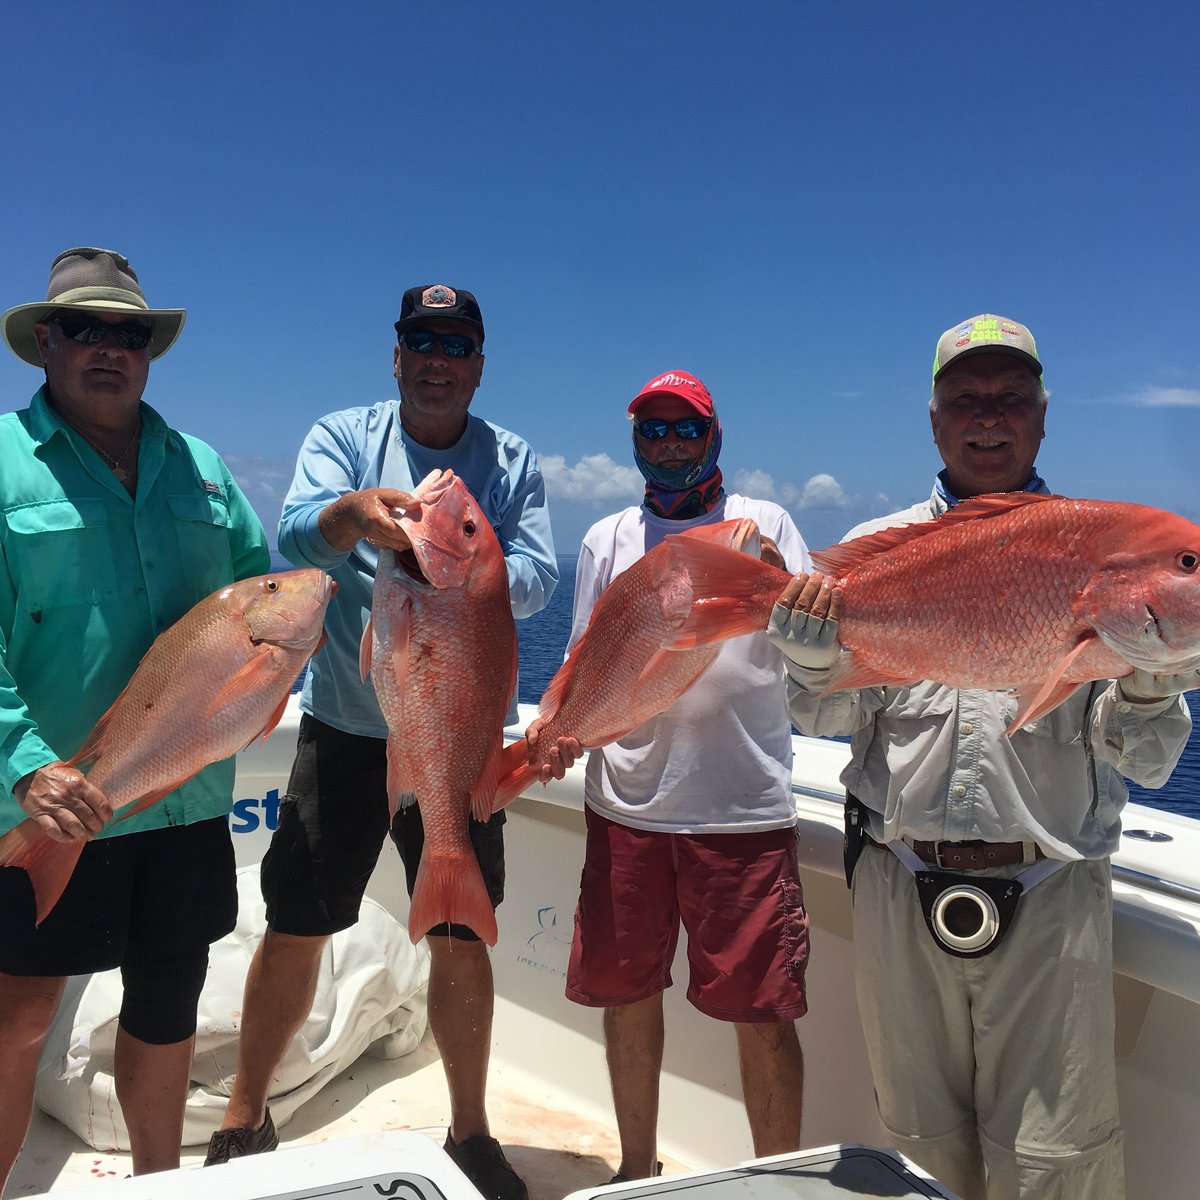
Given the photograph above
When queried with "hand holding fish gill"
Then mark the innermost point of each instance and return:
(66, 807)
(368, 514)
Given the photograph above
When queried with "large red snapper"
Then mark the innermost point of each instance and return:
(1037, 594)
(208, 686)
(626, 667)
(441, 650)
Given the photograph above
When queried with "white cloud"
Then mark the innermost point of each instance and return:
(594, 478)
(1156, 397)
(820, 491)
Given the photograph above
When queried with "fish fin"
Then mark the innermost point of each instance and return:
(400, 788)
(48, 863)
(732, 593)
(850, 674)
(483, 793)
(365, 647)
(270, 723)
(1054, 690)
(556, 689)
(512, 783)
(718, 619)
(244, 680)
(450, 888)
(841, 559)
(151, 798)
(94, 744)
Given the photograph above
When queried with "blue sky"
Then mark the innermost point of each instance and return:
(790, 200)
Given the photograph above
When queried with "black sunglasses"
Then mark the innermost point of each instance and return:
(454, 345)
(688, 429)
(89, 331)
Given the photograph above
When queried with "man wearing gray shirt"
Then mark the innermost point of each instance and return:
(990, 1037)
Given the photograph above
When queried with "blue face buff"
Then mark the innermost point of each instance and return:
(680, 493)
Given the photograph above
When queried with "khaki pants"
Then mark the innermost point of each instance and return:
(1000, 1067)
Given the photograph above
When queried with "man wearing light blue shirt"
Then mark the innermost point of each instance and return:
(354, 468)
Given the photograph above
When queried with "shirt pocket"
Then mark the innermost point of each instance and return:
(1067, 724)
(923, 702)
(60, 552)
(202, 524)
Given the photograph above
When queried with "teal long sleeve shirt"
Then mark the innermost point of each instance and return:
(90, 576)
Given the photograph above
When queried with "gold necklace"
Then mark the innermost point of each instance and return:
(115, 463)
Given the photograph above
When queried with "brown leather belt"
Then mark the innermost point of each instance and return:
(970, 856)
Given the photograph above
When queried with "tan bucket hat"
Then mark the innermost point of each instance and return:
(86, 278)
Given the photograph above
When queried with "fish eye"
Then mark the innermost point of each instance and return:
(1187, 560)
(469, 528)
(272, 585)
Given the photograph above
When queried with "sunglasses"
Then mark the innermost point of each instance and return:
(88, 331)
(688, 429)
(454, 345)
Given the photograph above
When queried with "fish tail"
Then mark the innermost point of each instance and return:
(48, 863)
(450, 887)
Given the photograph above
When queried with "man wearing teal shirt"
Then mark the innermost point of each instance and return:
(113, 527)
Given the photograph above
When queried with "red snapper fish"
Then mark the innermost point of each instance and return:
(441, 651)
(628, 667)
(1019, 591)
(208, 686)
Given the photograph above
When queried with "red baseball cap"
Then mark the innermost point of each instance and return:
(676, 383)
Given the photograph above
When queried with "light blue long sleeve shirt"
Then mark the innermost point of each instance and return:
(90, 576)
(362, 448)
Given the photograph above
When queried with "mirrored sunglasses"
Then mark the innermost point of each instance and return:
(454, 345)
(689, 428)
(91, 331)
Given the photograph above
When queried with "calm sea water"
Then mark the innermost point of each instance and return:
(543, 638)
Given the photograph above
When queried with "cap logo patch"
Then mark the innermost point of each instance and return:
(439, 296)
(671, 380)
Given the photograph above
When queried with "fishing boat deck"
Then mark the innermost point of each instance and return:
(553, 1145)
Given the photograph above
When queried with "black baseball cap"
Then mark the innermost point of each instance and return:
(438, 301)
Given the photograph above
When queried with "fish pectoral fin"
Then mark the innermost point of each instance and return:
(365, 648)
(1053, 691)
(850, 674)
(270, 723)
(246, 679)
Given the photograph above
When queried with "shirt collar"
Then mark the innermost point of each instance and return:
(942, 488)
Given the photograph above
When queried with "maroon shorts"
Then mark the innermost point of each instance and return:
(738, 896)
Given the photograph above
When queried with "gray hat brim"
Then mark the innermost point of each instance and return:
(17, 323)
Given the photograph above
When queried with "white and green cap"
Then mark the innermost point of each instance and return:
(986, 333)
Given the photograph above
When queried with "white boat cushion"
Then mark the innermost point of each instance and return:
(371, 995)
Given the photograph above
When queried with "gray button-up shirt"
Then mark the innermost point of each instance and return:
(931, 762)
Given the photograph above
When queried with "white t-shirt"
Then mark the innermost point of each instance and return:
(719, 760)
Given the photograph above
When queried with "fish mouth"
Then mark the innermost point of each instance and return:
(408, 562)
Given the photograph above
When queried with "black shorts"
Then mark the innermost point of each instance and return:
(332, 823)
(160, 892)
